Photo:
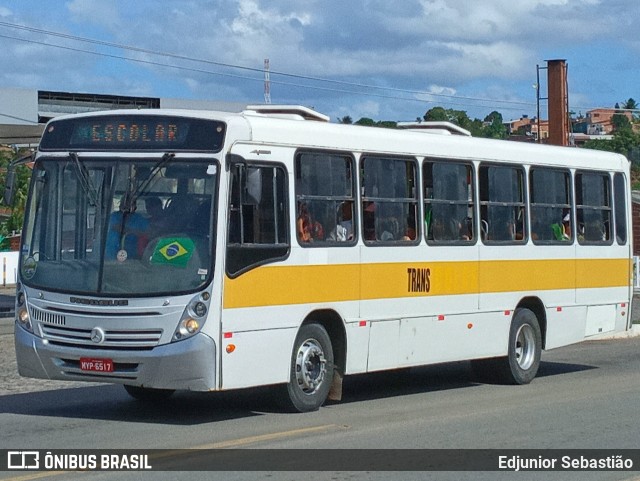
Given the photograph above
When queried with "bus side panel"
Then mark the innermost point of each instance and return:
(448, 338)
(565, 325)
(358, 333)
(384, 345)
(258, 358)
(435, 339)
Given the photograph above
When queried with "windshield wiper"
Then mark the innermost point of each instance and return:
(85, 180)
(141, 189)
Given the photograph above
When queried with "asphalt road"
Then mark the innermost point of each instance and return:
(586, 396)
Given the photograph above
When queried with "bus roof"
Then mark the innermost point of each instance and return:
(302, 127)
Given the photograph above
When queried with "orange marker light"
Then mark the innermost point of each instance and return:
(469, 326)
(231, 348)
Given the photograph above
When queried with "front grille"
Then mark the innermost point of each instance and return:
(48, 317)
(113, 338)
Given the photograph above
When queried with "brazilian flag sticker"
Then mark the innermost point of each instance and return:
(174, 251)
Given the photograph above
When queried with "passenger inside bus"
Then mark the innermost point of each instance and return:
(126, 229)
(345, 217)
(410, 233)
(343, 230)
(180, 212)
(153, 206)
(369, 220)
(308, 229)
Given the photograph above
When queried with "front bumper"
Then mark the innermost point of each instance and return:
(188, 364)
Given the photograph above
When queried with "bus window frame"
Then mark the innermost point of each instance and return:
(234, 161)
(581, 239)
(474, 202)
(571, 206)
(625, 190)
(417, 199)
(485, 204)
(355, 198)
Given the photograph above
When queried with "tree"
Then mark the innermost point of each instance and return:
(496, 128)
(366, 121)
(620, 122)
(631, 104)
(438, 114)
(345, 120)
(623, 142)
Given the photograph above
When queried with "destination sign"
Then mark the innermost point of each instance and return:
(133, 132)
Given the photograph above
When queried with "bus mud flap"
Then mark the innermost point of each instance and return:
(335, 392)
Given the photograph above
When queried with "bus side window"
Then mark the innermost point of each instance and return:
(593, 207)
(551, 217)
(389, 200)
(502, 203)
(258, 218)
(448, 202)
(619, 199)
(325, 199)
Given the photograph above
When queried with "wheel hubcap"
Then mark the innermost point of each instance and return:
(525, 347)
(310, 366)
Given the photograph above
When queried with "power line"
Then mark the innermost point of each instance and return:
(209, 72)
(18, 118)
(250, 69)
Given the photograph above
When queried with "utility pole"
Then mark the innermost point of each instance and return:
(538, 99)
(267, 82)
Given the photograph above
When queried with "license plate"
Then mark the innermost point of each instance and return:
(96, 365)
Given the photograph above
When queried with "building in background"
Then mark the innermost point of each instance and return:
(23, 113)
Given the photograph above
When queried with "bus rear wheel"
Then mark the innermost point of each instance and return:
(311, 369)
(525, 348)
(522, 361)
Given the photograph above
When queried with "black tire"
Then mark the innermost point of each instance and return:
(525, 348)
(147, 394)
(310, 371)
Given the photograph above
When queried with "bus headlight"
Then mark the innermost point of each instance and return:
(24, 319)
(187, 327)
(193, 317)
(22, 311)
(199, 309)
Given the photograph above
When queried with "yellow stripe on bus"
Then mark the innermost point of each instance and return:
(286, 285)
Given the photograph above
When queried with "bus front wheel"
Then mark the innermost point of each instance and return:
(311, 369)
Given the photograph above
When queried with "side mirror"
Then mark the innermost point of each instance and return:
(10, 185)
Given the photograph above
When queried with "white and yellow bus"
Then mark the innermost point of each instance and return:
(208, 251)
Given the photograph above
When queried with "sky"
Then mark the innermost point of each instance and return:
(381, 59)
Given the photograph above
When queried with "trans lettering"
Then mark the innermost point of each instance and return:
(418, 279)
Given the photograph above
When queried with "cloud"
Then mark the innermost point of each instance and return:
(95, 12)
(464, 46)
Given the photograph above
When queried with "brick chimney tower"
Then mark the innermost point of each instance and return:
(558, 99)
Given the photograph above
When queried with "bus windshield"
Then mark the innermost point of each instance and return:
(125, 226)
